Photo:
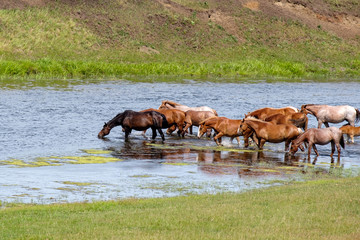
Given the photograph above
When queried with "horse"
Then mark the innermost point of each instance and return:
(298, 119)
(222, 126)
(167, 104)
(332, 114)
(263, 113)
(139, 121)
(350, 131)
(174, 117)
(269, 132)
(320, 136)
(194, 118)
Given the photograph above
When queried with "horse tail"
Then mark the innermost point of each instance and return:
(357, 115)
(342, 142)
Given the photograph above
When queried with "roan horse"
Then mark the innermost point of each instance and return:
(332, 114)
(139, 121)
(269, 132)
(263, 113)
(174, 117)
(298, 119)
(222, 126)
(167, 104)
(320, 136)
(194, 118)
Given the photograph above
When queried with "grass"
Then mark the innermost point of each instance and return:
(321, 209)
(61, 41)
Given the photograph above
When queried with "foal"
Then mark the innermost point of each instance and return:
(320, 136)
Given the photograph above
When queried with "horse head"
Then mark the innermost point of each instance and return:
(104, 131)
(295, 147)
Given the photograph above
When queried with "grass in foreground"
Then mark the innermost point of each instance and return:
(321, 209)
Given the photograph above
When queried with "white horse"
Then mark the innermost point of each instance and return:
(167, 104)
(332, 114)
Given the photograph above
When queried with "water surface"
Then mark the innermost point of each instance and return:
(50, 151)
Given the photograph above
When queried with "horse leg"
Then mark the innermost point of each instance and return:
(238, 140)
(153, 132)
(191, 128)
(352, 137)
(338, 149)
(326, 124)
(171, 129)
(332, 148)
(127, 133)
(161, 134)
(319, 123)
(261, 143)
(187, 125)
(315, 150)
(287, 144)
(218, 136)
(309, 150)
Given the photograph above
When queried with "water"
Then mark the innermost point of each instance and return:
(55, 127)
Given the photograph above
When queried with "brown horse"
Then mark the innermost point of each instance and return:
(167, 104)
(268, 132)
(222, 126)
(174, 117)
(320, 136)
(350, 131)
(194, 118)
(298, 119)
(332, 114)
(139, 121)
(263, 113)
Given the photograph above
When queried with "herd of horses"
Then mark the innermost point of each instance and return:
(274, 125)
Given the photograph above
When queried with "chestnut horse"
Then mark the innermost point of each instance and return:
(263, 113)
(174, 117)
(350, 131)
(194, 118)
(320, 136)
(332, 114)
(298, 119)
(167, 104)
(269, 132)
(222, 126)
(139, 121)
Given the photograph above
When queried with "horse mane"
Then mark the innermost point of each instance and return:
(203, 121)
(172, 103)
(118, 119)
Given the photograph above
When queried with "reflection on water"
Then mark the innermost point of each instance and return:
(50, 151)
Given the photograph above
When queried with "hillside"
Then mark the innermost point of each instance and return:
(104, 38)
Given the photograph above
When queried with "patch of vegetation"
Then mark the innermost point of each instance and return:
(321, 209)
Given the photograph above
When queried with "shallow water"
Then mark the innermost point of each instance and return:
(50, 151)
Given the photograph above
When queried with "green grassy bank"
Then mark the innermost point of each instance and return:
(114, 39)
(320, 209)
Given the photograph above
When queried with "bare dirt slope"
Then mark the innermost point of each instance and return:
(342, 19)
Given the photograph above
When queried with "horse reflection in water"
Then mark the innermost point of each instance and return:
(242, 163)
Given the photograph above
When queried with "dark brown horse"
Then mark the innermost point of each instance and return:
(332, 114)
(194, 118)
(174, 117)
(138, 121)
(298, 119)
(320, 136)
(269, 132)
(263, 113)
(222, 126)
